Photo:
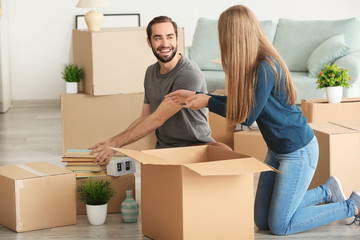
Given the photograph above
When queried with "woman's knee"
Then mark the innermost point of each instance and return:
(277, 229)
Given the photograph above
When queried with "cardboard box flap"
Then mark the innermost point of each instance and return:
(144, 158)
(31, 170)
(331, 128)
(325, 101)
(229, 167)
(350, 124)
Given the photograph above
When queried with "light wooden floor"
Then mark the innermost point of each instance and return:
(31, 131)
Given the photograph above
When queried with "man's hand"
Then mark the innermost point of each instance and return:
(104, 154)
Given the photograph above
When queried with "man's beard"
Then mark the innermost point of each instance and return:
(162, 59)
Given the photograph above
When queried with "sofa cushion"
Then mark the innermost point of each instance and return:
(205, 46)
(269, 28)
(296, 40)
(327, 52)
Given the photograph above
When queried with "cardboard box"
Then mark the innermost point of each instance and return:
(87, 120)
(114, 60)
(119, 184)
(319, 110)
(200, 192)
(250, 143)
(36, 196)
(339, 144)
(221, 131)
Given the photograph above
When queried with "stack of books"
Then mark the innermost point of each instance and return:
(84, 167)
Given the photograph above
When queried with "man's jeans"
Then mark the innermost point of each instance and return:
(282, 202)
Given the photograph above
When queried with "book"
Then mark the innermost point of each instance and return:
(77, 159)
(90, 174)
(84, 164)
(86, 168)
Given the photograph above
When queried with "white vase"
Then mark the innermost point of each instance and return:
(96, 214)
(334, 94)
(72, 87)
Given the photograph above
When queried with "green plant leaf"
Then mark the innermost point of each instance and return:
(72, 73)
(95, 192)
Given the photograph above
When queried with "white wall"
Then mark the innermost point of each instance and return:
(40, 31)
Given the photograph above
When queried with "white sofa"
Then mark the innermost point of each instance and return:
(306, 46)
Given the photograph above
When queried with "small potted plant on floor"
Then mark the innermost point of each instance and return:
(95, 194)
(72, 74)
(334, 79)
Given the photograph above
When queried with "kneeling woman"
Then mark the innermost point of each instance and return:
(260, 89)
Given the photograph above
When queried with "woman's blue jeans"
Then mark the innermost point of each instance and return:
(283, 204)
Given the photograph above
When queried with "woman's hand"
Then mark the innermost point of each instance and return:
(187, 99)
(104, 154)
(197, 102)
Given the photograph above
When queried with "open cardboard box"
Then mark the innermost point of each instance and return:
(36, 196)
(319, 110)
(339, 155)
(199, 192)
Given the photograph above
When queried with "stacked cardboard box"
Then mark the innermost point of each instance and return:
(114, 62)
(319, 110)
(339, 155)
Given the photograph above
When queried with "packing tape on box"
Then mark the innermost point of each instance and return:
(18, 185)
(29, 169)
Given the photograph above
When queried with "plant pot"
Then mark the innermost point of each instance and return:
(334, 94)
(72, 87)
(96, 214)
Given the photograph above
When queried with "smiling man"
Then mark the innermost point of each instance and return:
(174, 126)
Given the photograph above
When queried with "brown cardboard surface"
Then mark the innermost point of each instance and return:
(251, 143)
(319, 110)
(119, 185)
(338, 153)
(114, 60)
(87, 120)
(186, 193)
(28, 202)
(221, 131)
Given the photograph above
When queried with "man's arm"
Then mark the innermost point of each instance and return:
(141, 127)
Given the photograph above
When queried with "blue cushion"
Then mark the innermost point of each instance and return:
(326, 53)
(296, 40)
(269, 28)
(206, 48)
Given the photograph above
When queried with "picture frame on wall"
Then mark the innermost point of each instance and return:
(116, 20)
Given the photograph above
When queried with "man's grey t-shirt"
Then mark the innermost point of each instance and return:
(186, 127)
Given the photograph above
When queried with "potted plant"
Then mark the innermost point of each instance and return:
(72, 74)
(95, 194)
(334, 79)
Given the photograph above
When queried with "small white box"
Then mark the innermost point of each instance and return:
(120, 166)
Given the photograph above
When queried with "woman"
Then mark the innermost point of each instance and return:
(260, 89)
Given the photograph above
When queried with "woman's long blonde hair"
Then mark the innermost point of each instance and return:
(243, 46)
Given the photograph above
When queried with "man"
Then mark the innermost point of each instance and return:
(174, 126)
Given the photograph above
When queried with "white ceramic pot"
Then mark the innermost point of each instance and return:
(334, 94)
(96, 214)
(72, 87)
